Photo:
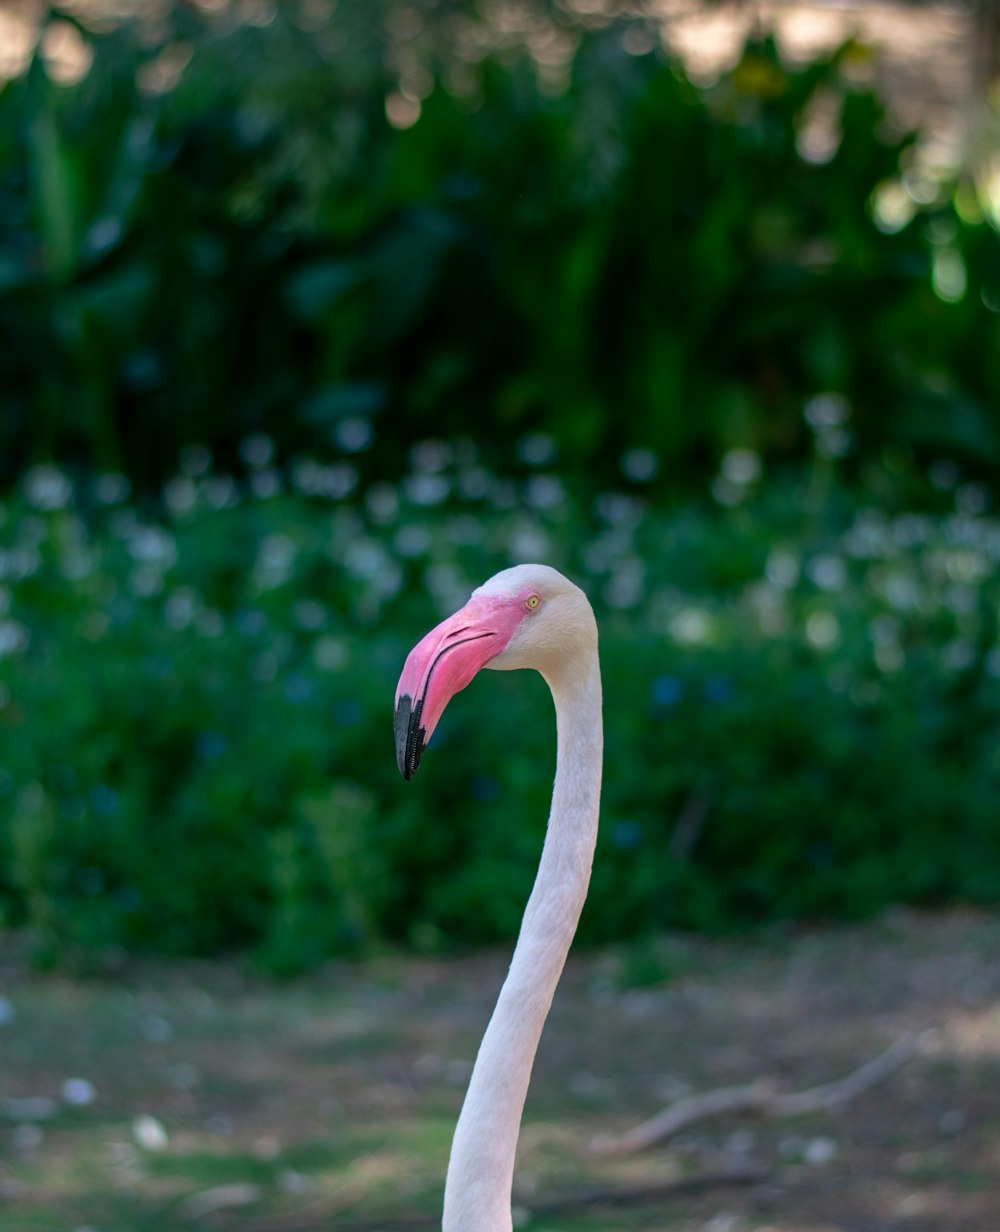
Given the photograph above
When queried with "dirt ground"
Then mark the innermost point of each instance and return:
(198, 1096)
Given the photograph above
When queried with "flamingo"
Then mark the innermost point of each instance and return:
(527, 616)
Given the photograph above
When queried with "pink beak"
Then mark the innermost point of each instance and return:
(442, 664)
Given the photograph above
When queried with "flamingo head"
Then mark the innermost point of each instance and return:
(528, 616)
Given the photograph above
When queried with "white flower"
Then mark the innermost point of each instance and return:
(782, 569)
(426, 489)
(464, 530)
(145, 581)
(388, 581)
(618, 509)
(823, 630)
(827, 410)
(889, 657)
(181, 495)
(209, 622)
(47, 488)
(691, 626)
(13, 637)
(265, 483)
(327, 482)
(430, 455)
(626, 586)
(640, 465)
(901, 592)
(959, 655)
(382, 502)
(529, 542)
(366, 558)
(726, 493)
(196, 460)
(152, 545)
(275, 561)
(537, 449)
(353, 434)
(474, 482)
(412, 540)
(309, 615)
(111, 488)
(828, 572)
(742, 466)
(180, 607)
(330, 654)
(257, 450)
(221, 492)
(966, 565)
(545, 491)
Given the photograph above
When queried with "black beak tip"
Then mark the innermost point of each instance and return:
(409, 736)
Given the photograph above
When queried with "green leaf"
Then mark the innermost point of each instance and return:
(316, 289)
(56, 180)
(361, 398)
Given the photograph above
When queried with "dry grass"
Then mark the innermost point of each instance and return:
(225, 1101)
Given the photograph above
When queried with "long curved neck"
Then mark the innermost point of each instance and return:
(480, 1173)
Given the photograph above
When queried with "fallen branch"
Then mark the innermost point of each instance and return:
(640, 1195)
(761, 1098)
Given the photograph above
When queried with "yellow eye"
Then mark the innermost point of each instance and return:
(532, 602)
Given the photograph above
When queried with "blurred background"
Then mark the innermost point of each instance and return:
(313, 316)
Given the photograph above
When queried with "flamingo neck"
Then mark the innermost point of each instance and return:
(480, 1173)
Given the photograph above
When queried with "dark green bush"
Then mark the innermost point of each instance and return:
(218, 238)
(802, 713)
(627, 261)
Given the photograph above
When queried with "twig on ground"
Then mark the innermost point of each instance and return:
(759, 1097)
(637, 1195)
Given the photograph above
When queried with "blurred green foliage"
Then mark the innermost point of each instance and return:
(802, 701)
(218, 231)
(236, 301)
